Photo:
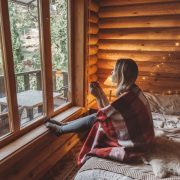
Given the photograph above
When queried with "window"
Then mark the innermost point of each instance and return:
(35, 93)
(59, 48)
(4, 120)
(24, 24)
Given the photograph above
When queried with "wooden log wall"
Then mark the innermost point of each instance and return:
(93, 45)
(39, 156)
(147, 31)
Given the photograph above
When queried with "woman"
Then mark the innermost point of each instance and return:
(122, 130)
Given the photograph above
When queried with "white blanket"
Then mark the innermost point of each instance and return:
(165, 155)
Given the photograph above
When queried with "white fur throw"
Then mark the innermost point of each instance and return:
(164, 157)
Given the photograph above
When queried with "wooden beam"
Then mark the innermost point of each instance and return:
(105, 3)
(145, 66)
(140, 10)
(146, 78)
(93, 6)
(139, 45)
(107, 72)
(92, 77)
(93, 28)
(32, 149)
(94, 18)
(92, 69)
(92, 60)
(145, 88)
(140, 22)
(154, 56)
(93, 50)
(141, 34)
(93, 39)
(52, 160)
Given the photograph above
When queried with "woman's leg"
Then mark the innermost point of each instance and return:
(81, 124)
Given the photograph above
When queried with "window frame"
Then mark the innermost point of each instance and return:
(77, 54)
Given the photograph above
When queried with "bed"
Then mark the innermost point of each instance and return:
(166, 118)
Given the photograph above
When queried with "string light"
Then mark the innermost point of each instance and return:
(169, 91)
(144, 78)
(177, 44)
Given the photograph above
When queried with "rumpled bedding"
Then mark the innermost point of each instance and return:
(167, 125)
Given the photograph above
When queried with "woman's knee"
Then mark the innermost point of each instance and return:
(92, 118)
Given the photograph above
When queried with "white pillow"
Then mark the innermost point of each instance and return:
(166, 104)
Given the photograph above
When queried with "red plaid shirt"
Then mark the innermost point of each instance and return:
(122, 131)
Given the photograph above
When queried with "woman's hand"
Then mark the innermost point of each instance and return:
(95, 89)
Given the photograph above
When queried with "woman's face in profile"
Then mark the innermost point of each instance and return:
(114, 76)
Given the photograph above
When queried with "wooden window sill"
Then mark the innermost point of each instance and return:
(15, 147)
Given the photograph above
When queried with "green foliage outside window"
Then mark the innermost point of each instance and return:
(23, 20)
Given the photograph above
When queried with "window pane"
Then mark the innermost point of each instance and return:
(59, 45)
(24, 21)
(4, 123)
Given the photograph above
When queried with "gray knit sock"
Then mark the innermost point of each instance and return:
(54, 128)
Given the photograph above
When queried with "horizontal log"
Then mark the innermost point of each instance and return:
(152, 89)
(51, 161)
(143, 79)
(149, 81)
(104, 3)
(93, 28)
(92, 69)
(93, 39)
(140, 22)
(93, 6)
(93, 50)
(92, 60)
(140, 55)
(92, 77)
(139, 45)
(143, 34)
(28, 163)
(140, 10)
(93, 18)
(146, 78)
(172, 75)
(145, 66)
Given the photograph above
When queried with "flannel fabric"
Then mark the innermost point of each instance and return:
(123, 130)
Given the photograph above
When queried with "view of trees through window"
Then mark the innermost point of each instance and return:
(59, 47)
(26, 46)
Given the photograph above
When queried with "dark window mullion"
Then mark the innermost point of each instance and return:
(9, 67)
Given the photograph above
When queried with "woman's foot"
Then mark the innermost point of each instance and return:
(56, 129)
(56, 122)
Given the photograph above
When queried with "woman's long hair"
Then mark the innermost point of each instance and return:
(126, 71)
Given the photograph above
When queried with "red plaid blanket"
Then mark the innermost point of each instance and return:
(123, 130)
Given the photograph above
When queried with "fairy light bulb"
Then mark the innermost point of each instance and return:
(144, 78)
(169, 91)
(177, 44)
